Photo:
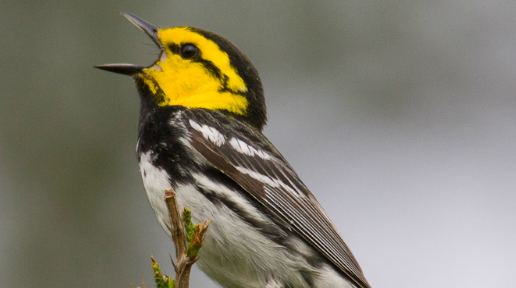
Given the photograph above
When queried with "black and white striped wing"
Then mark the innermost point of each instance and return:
(248, 158)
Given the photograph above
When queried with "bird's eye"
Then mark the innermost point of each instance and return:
(189, 51)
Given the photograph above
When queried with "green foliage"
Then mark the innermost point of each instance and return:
(191, 235)
(161, 280)
(189, 226)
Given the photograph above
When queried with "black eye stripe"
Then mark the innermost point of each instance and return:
(174, 48)
(211, 67)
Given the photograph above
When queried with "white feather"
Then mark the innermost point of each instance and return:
(247, 149)
(275, 183)
(156, 182)
(209, 133)
(329, 278)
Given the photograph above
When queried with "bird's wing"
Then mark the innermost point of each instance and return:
(249, 159)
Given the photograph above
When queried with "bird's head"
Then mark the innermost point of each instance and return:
(197, 69)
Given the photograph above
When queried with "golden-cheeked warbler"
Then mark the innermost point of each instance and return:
(200, 134)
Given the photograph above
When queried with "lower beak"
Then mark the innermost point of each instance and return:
(121, 68)
(131, 69)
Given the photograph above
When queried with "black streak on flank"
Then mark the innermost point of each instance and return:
(267, 228)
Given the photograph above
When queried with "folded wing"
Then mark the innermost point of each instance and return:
(248, 158)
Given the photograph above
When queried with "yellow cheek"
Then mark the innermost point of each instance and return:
(210, 51)
(180, 78)
(189, 84)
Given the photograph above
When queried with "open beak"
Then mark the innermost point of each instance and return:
(131, 69)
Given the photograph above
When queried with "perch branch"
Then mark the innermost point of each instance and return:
(187, 238)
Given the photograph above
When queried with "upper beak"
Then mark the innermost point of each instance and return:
(131, 69)
(150, 29)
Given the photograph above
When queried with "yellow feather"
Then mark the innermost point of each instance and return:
(188, 83)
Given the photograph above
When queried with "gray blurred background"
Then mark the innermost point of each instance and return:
(399, 115)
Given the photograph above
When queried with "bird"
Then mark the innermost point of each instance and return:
(202, 113)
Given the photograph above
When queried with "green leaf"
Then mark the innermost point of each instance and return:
(189, 226)
(161, 280)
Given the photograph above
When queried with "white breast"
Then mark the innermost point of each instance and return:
(234, 253)
(156, 181)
